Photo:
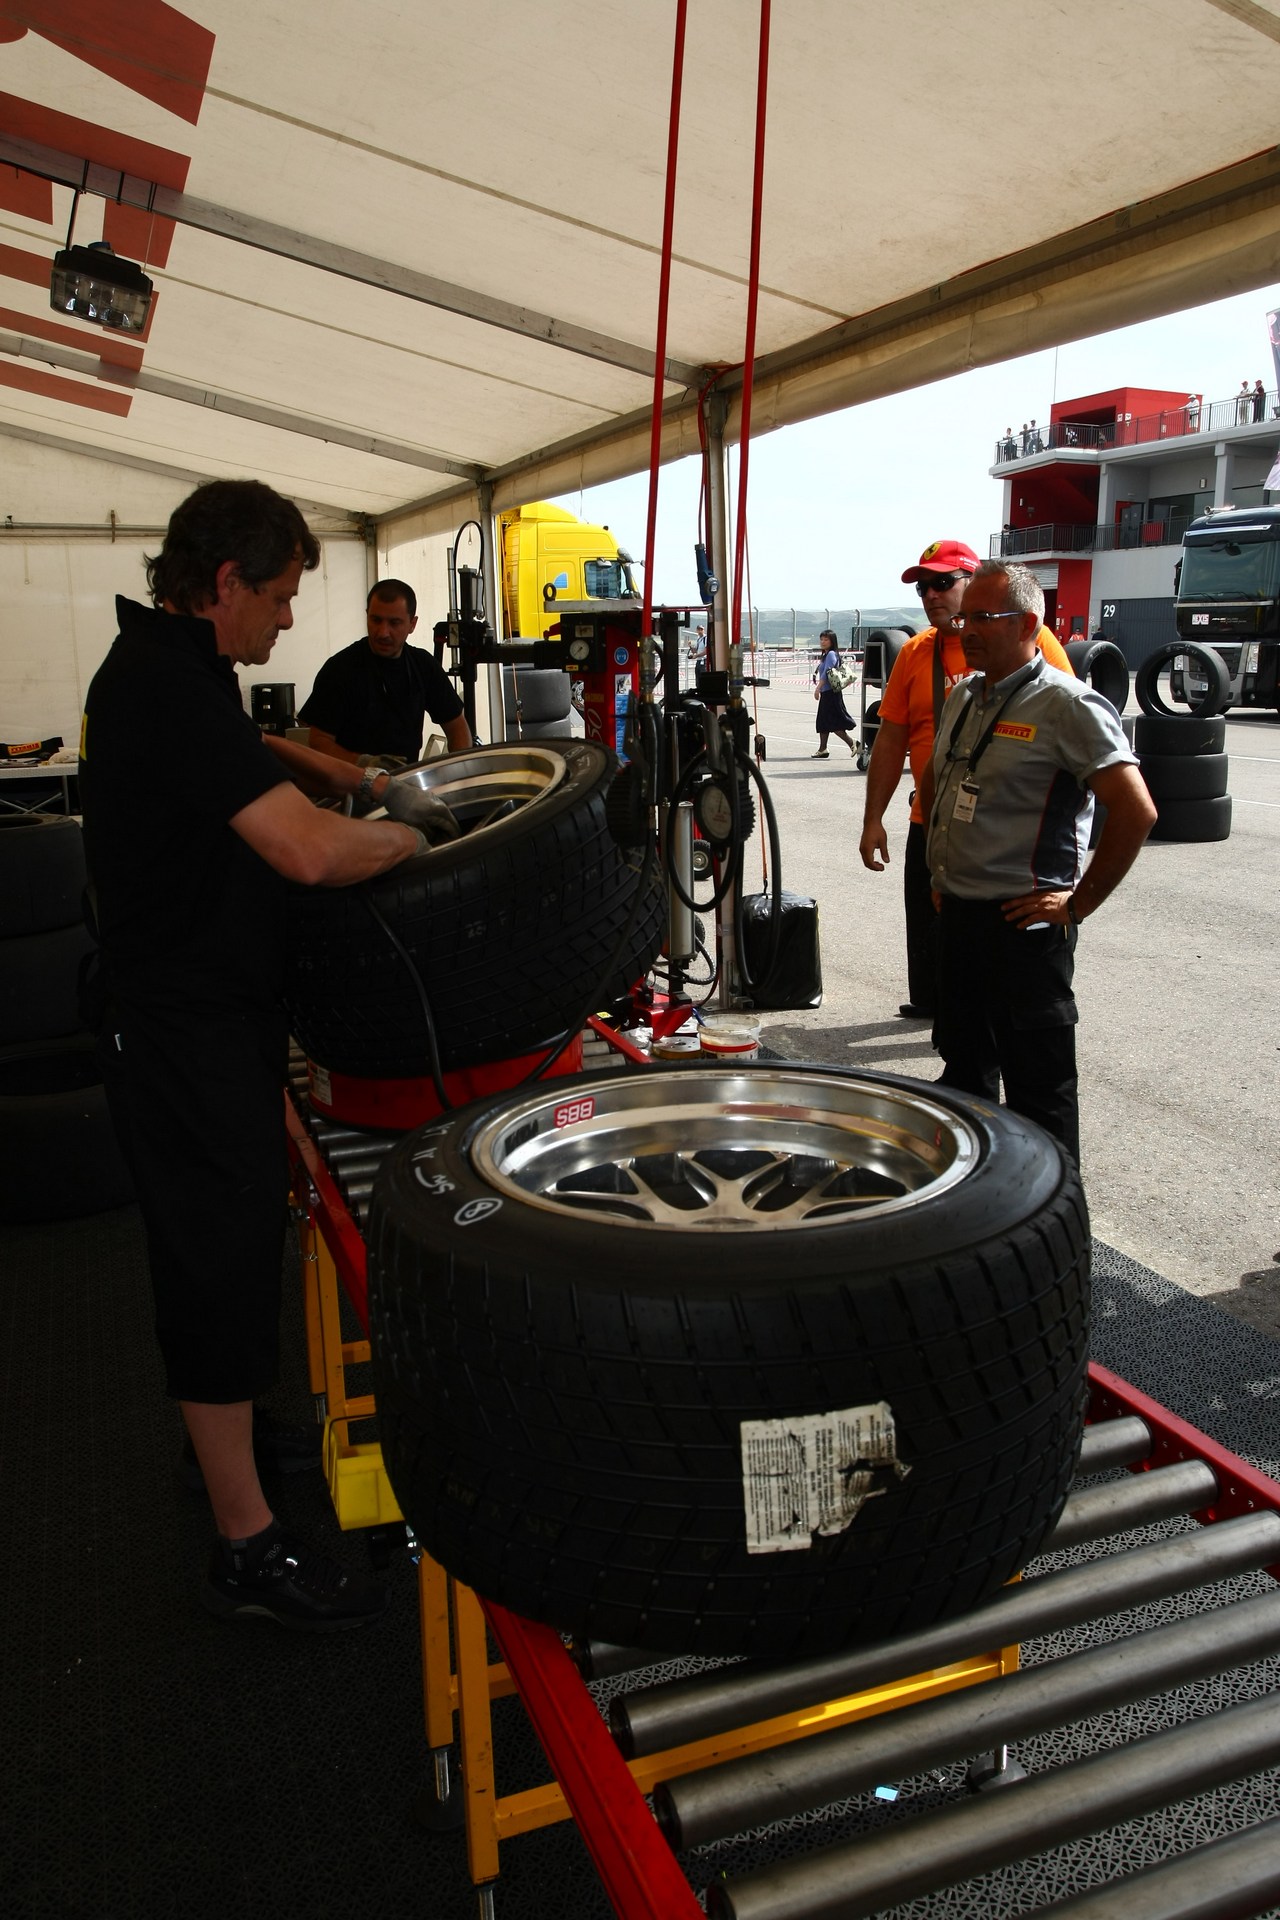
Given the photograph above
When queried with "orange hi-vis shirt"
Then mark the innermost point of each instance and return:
(908, 698)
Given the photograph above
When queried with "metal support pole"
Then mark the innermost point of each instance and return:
(719, 640)
(858, 1879)
(760, 1788)
(699, 1708)
(494, 722)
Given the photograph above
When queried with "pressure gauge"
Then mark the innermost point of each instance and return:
(579, 650)
(713, 811)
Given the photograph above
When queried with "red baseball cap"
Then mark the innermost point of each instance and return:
(944, 556)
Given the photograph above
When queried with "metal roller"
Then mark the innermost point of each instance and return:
(1114, 1443)
(669, 1715)
(1230, 1879)
(858, 1879)
(762, 1787)
(600, 1659)
(1138, 1501)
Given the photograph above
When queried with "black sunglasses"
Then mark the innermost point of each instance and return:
(937, 582)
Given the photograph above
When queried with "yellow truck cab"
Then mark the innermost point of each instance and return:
(543, 545)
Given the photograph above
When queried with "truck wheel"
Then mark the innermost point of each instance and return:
(57, 1144)
(1185, 776)
(41, 872)
(1102, 664)
(508, 928)
(580, 1294)
(1193, 820)
(1180, 734)
(1217, 691)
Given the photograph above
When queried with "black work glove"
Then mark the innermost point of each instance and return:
(409, 803)
(389, 762)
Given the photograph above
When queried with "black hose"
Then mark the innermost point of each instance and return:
(749, 981)
(433, 1050)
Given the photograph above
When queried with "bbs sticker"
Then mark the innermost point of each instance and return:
(570, 1111)
(474, 1210)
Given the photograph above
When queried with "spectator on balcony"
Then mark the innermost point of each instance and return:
(1025, 438)
(925, 672)
(1193, 413)
(1244, 404)
(1259, 401)
(1037, 444)
(1008, 446)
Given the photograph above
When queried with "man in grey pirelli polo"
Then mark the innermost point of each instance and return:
(1021, 753)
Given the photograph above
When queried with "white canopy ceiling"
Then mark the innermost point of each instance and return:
(417, 246)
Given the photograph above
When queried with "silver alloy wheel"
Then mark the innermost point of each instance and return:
(722, 1148)
(481, 785)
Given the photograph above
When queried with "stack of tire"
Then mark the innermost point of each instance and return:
(1101, 663)
(536, 703)
(57, 1148)
(1182, 751)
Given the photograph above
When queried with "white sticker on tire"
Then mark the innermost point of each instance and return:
(813, 1473)
(320, 1083)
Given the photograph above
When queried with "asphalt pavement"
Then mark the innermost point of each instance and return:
(1176, 978)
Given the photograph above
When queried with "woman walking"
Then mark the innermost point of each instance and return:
(832, 716)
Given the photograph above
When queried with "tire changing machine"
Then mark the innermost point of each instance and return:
(744, 1744)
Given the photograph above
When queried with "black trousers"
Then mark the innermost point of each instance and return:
(1006, 1012)
(195, 1096)
(922, 923)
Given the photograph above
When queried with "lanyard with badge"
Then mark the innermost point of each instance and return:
(966, 801)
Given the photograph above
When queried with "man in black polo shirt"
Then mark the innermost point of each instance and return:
(190, 894)
(369, 701)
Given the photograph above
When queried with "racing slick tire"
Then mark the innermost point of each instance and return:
(57, 1144)
(1184, 776)
(1178, 733)
(1193, 820)
(505, 930)
(42, 872)
(580, 1295)
(1102, 664)
(1217, 692)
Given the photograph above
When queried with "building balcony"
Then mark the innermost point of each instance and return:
(1079, 436)
(1065, 540)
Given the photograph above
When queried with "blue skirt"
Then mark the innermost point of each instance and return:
(833, 716)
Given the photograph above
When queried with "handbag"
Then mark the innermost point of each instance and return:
(842, 677)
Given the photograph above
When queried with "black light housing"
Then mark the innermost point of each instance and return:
(95, 283)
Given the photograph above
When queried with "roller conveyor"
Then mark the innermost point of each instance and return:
(1154, 1582)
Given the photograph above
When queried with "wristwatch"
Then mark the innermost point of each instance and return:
(1072, 913)
(365, 790)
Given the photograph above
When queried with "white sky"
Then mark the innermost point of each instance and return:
(838, 507)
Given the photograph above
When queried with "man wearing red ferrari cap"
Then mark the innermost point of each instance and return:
(923, 675)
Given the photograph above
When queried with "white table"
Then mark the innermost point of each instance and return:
(65, 773)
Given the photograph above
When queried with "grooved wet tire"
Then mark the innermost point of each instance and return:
(57, 1144)
(1215, 697)
(39, 977)
(41, 872)
(1193, 820)
(1175, 733)
(1102, 664)
(510, 927)
(1185, 776)
(579, 1295)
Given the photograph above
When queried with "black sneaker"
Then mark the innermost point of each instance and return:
(277, 1448)
(278, 1576)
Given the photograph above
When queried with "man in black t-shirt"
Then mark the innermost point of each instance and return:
(190, 896)
(369, 701)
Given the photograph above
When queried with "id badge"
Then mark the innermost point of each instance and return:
(966, 800)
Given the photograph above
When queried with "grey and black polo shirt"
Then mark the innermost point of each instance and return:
(1028, 748)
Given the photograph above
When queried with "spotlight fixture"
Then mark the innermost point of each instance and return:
(95, 283)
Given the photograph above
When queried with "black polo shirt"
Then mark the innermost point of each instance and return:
(371, 705)
(188, 913)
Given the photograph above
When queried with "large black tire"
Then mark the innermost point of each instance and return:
(510, 927)
(884, 644)
(1217, 693)
(562, 1371)
(39, 974)
(1183, 734)
(57, 1145)
(1102, 664)
(1193, 820)
(1185, 776)
(41, 872)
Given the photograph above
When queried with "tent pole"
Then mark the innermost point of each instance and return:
(718, 638)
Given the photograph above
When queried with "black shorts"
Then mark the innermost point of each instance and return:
(196, 1101)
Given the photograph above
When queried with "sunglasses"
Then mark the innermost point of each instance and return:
(982, 619)
(937, 582)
